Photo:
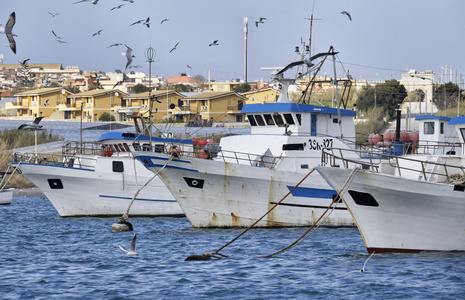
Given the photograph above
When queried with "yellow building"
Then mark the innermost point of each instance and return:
(38, 103)
(212, 106)
(96, 102)
(267, 95)
(139, 104)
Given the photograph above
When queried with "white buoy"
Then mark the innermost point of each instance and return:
(122, 225)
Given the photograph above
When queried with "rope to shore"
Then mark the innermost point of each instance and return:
(303, 236)
(256, 222)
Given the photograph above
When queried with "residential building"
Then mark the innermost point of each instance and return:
(212, 106)
(267, 95)
(37, 103)
(96, 102)
(163, 104)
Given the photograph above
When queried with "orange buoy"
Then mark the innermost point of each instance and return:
(195, 141)
(202, 142)
(374, 138)
(210, 141)
(405, 137)
(415, 136)
(389, 137)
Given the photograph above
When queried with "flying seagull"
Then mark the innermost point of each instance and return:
(93, 1)
(174, 48)
(215, 43)
(118, 7)
(34, 125)
(143, 22)
(261, 20)
(61, 41)
(130, 1)
(135, 67)
(164, 20)
(116, 44)
(347, 14)
(97, 33)
(118, 83)
(132, 249)
(8, 30)
(189, 66)
(24, 62)
(129, 56)
(307, 62)
(53, 15)
(56, 36)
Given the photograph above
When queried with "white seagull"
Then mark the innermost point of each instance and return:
(215, 43)
(8, 30)
(129, 56)
(56, 36)
(93, 1)
(164, 20)
(132, 249)
(143, 22)
(34, 125)
(53, 15)
(116, 44)
(97, 33)
(261, 20)
(174, 48)
(118, 7)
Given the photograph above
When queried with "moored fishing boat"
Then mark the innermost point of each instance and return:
(101, 179)
(236, 183)
(408, 203)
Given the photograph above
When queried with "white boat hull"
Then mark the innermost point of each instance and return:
(78, 192)
(410, 215)
(220, 194)
(6, 197)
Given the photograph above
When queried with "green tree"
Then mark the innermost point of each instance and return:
(445, 96)
(72, 89)
(182, 88)
(242, 88)
(106, 117)
(387, 95)
(140, 88)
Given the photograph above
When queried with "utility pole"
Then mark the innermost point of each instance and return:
(246, 22)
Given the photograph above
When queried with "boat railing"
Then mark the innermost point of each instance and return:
(433, 168)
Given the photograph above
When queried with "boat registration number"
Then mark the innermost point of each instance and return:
(318, 145)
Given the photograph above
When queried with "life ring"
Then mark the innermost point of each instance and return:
(107, 151)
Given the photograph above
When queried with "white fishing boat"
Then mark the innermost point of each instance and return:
(408, 203)
(101, 180)
(234, 184)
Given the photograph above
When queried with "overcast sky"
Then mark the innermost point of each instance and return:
(383, 40)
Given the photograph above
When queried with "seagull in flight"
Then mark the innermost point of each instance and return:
(215, 43)
(8, 30)
(307, 62)
(56, 36)
(347, 14)
(130, 1)
(61, 41)
(129, 56)
(143, 22)
(114, 45)
(118, 83)
(93, 1)
(118, 7)
(174, 48)
(34, 125)
(164, 20)
(261, 20)
(53, 15)
(24, 62)
(135, 67)
(97, 33)
(189, 66)
(132, 249)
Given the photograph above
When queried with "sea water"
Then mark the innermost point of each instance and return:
(43, 256)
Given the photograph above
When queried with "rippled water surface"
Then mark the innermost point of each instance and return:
(44, 256)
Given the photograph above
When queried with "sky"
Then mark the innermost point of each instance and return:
(383, 40)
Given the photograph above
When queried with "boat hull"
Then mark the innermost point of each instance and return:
(396, 214)
(221, 194)
(76, 192)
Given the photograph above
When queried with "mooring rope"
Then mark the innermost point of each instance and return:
(255, 223)
(316, 224)
(125, 216)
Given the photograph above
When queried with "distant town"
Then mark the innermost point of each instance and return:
(66, 93)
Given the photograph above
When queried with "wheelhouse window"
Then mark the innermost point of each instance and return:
(118, 166)
(278, 119)
(441, 127)
(428, 128)
(299, 147)
(289, 119)
(252, 120)
(268, 119)
(299, 118)
(259, 120)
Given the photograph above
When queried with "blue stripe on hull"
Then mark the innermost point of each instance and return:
(312, 193)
